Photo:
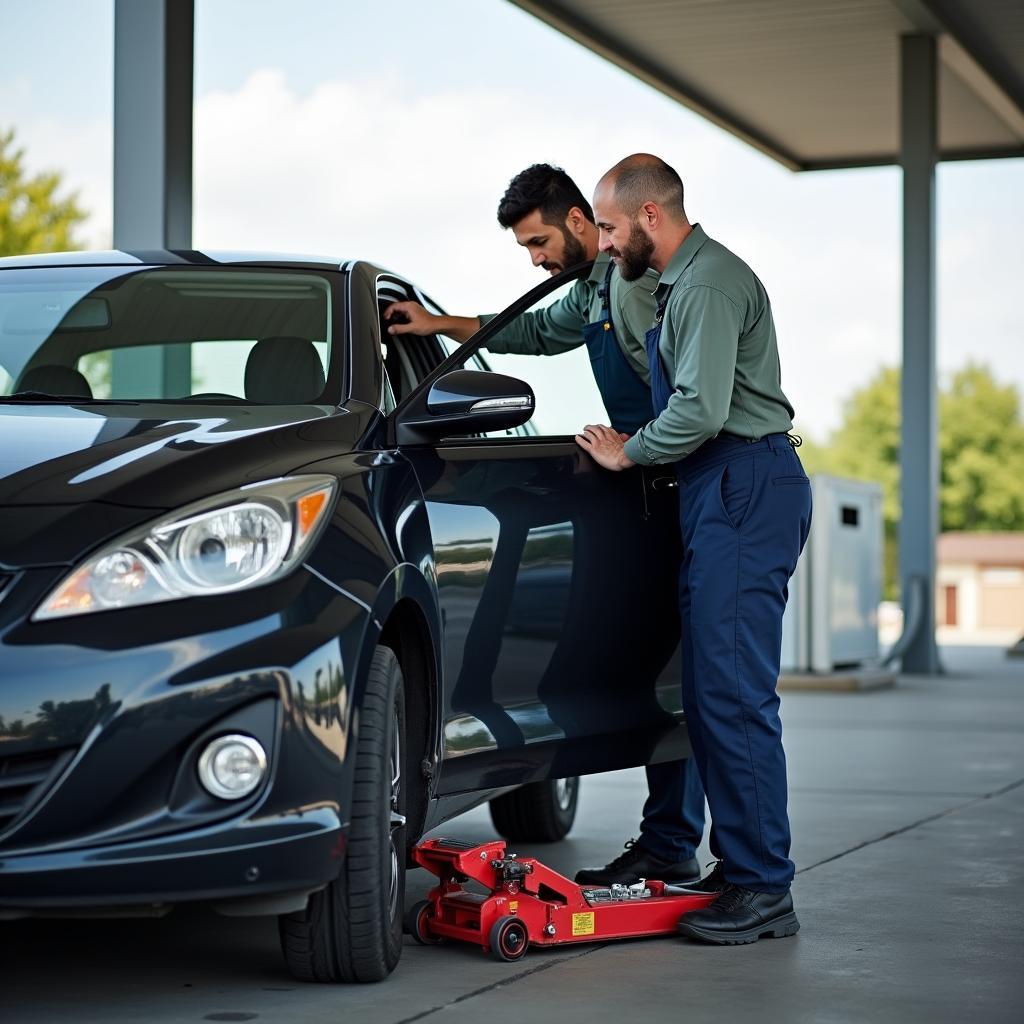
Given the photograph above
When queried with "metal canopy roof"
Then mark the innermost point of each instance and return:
(815, 83)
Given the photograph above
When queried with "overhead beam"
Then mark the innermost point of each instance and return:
(919, 451)
(664, 80)
(982, 84)
(888, 159)
(956, 19)
(965, 51)
(153, 74)
(922, 15)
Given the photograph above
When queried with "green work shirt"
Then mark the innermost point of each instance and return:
(719, 352)
(559, 327)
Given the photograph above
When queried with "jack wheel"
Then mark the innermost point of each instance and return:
(509, 939)
(416, 924)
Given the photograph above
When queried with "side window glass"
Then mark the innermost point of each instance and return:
(563, 383)
(448, 345)
(388, 402)
(407, 359)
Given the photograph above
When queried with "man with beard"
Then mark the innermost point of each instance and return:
(552, 220)
(723, 420)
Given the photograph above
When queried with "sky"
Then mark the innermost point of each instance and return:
(390, 132)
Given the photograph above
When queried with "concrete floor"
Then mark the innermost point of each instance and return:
(908, 822)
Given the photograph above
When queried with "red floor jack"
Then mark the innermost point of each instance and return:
(528, 904)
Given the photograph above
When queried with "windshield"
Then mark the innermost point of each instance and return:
(166, 334)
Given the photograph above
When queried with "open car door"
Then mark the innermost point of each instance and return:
(557, 584)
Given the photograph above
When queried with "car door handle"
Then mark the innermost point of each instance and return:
(664, 483)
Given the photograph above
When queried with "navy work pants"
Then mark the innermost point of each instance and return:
(745, 512)
(673, 822)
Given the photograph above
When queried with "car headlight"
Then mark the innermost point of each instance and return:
(237, 539)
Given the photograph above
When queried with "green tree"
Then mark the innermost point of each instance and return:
(981, 453)
(32, 216)
(981, 441)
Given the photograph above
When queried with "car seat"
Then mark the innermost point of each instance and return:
(283, 371)
(53, 379)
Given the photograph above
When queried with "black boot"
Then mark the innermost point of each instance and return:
(741, 915)
(713, 881)
(636, 863)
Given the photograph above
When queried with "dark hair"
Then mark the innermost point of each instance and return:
(545, 188)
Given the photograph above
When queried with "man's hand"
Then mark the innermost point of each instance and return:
(410, 318)
(605, 446)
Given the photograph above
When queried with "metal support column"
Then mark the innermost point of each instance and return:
(153, 73)
(919, 456)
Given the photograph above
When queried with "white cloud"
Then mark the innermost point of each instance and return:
(377, 170)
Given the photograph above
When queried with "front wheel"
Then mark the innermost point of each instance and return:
(542, 812)
(352, 929)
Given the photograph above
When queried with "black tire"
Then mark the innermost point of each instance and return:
(509, 940)
(416, 923)
(352, 930)
(542, 812)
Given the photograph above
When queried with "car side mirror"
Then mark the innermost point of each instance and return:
(466, 402)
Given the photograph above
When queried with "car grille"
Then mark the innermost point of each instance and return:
(24, 778)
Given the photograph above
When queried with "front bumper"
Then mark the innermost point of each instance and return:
(253, 867)
(122, 704)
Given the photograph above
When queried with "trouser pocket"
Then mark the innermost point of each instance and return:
(736, 488)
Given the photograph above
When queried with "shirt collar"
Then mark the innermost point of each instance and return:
(683, 256)
(600, 267)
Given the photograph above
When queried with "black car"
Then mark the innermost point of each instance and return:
(280, 592)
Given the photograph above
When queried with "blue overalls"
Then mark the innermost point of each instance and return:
(745, 509)
(673, 819)
(626, 397)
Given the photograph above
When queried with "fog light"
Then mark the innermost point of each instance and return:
(231, 767)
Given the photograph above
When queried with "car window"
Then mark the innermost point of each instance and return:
(215, 367)
(408, 360)
(166, 334)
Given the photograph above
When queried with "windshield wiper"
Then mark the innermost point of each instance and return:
(44, 397)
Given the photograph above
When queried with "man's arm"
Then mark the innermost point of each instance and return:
(705, 329)
(418, 321)
(541, 332)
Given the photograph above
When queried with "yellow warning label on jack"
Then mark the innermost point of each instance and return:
(583, 924)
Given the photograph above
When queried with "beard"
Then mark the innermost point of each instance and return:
(572, 253)
(636, 254)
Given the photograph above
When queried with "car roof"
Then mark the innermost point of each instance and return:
(171, 257)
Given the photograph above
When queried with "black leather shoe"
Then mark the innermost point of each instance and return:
(740, 915)
(636, 863)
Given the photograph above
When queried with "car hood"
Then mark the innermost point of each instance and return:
(67, 470)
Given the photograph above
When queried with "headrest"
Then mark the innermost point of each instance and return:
(52, 379)
(283, 371)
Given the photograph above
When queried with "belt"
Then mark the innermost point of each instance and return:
(725, 446)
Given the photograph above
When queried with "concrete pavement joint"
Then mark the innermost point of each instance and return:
(504, 981)
(846, 791)
(915, 824)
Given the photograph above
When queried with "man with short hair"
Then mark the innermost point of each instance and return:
(550, 218)
(723, 420)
